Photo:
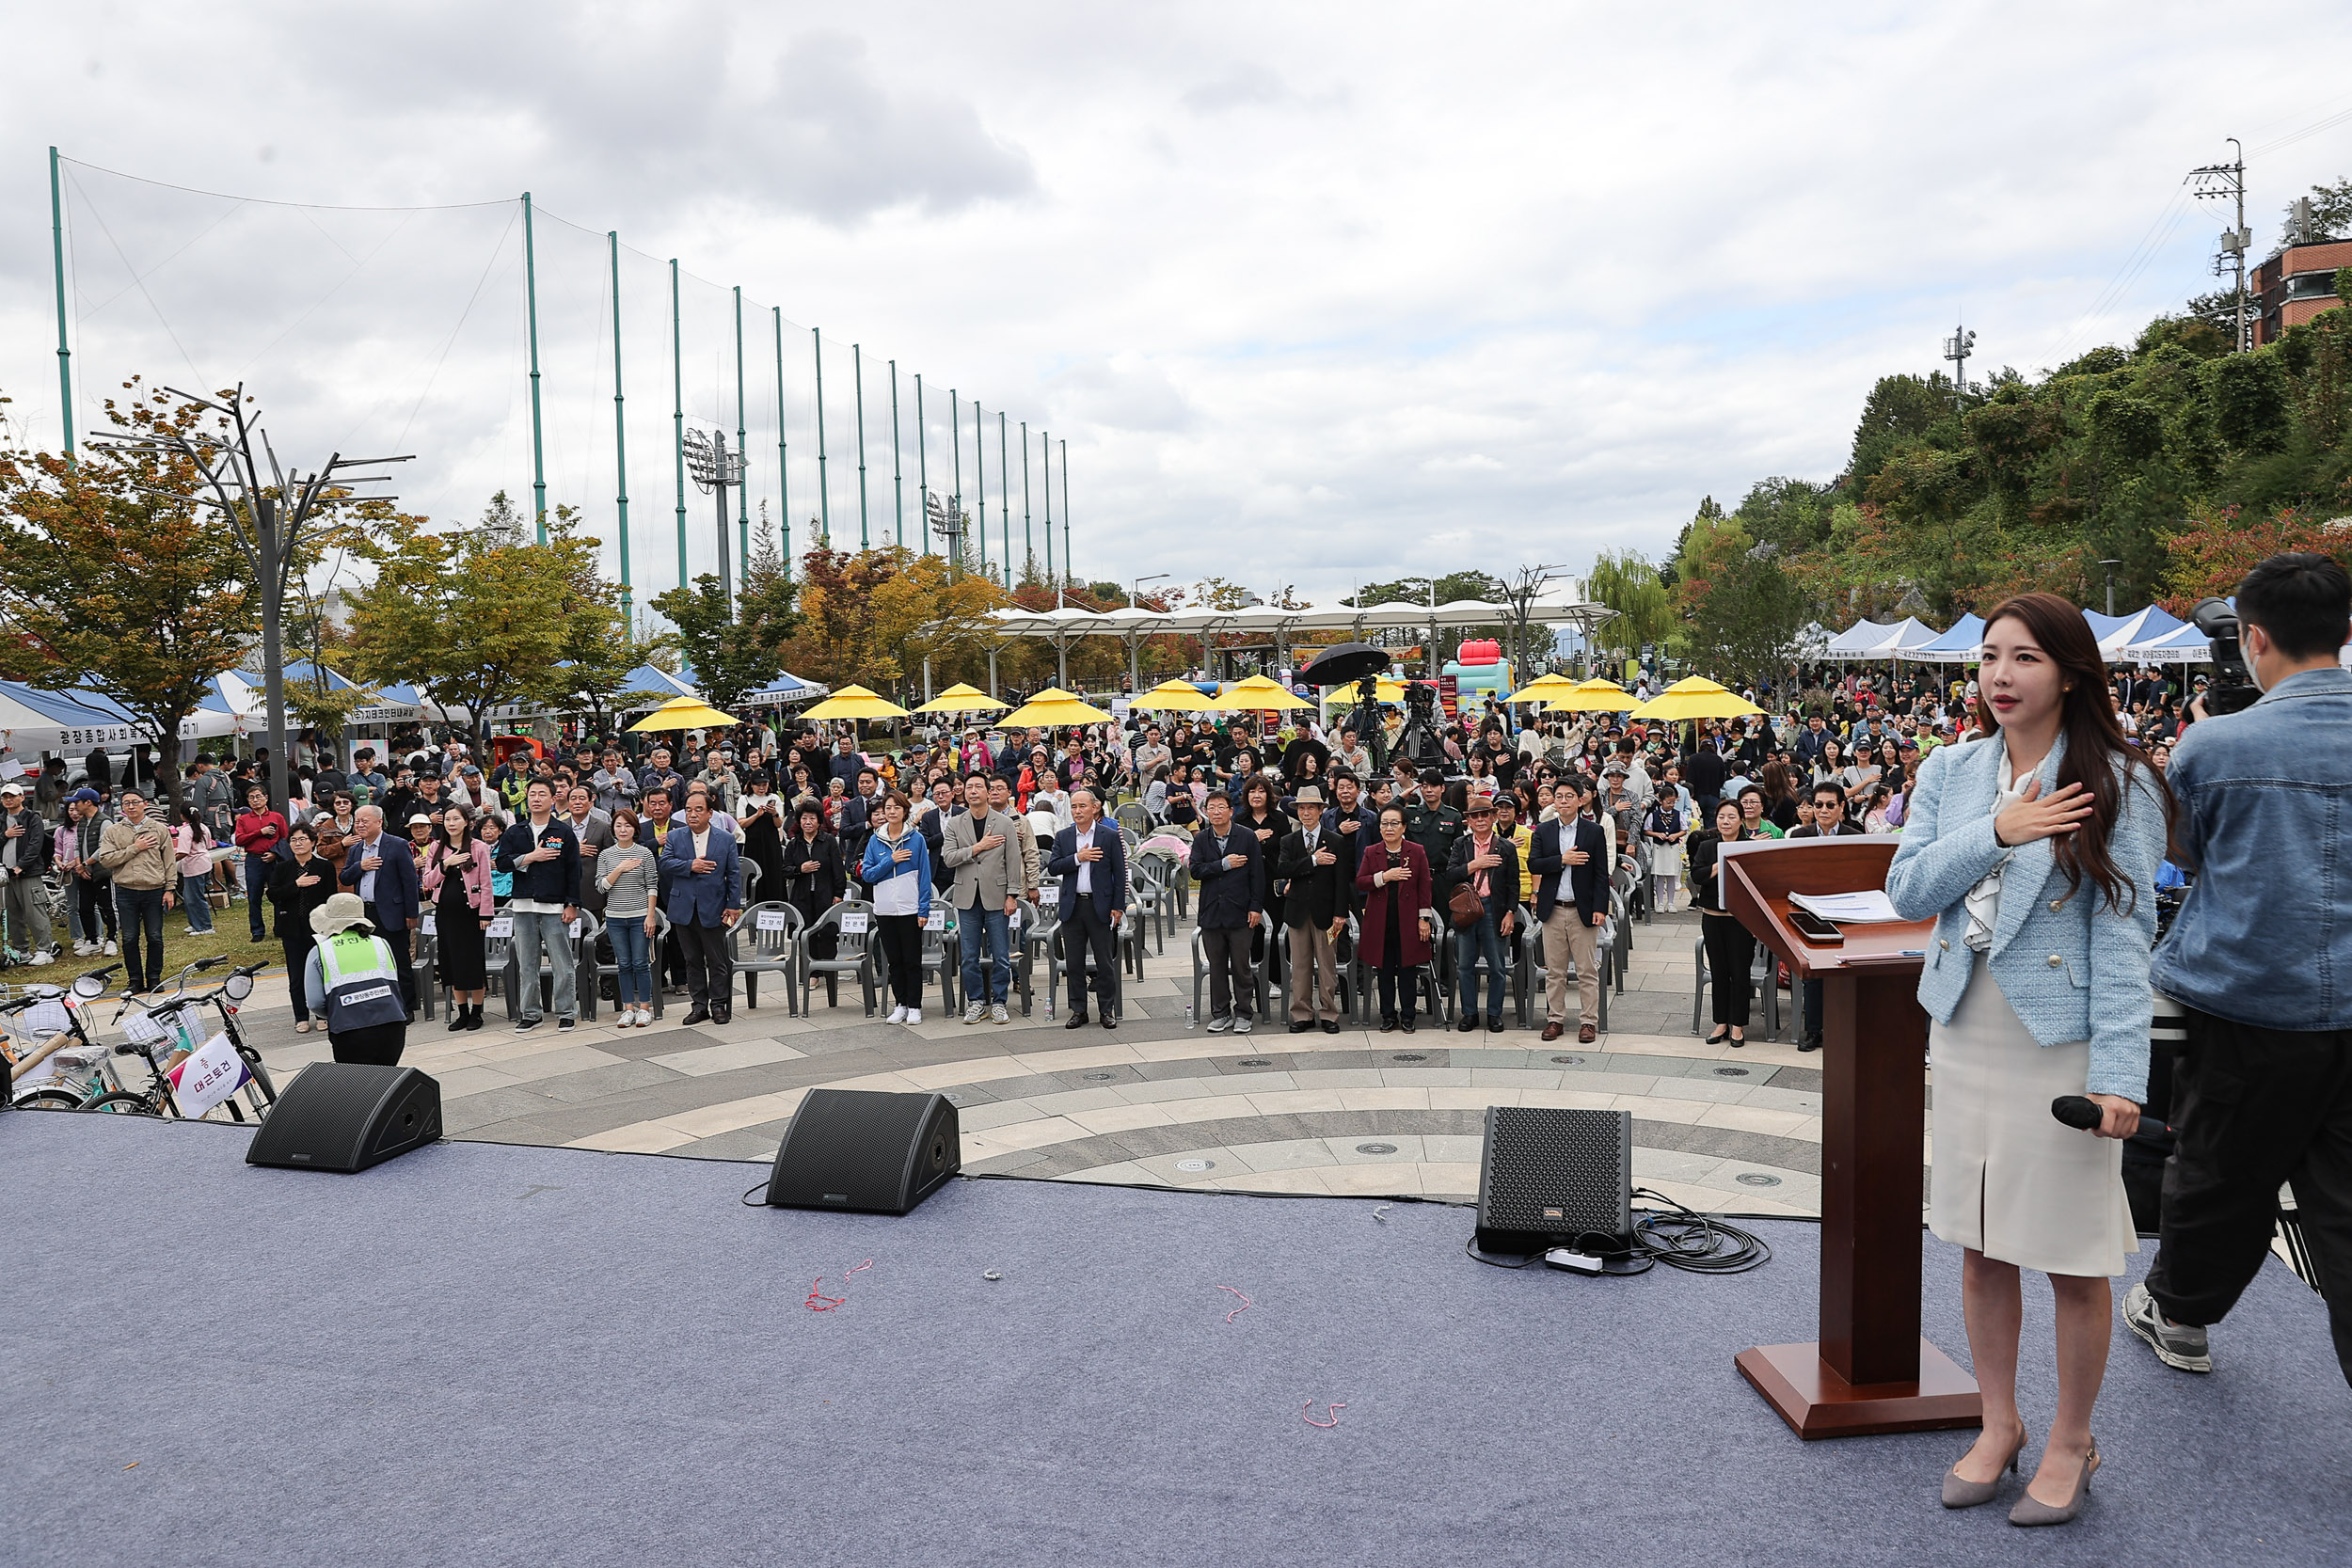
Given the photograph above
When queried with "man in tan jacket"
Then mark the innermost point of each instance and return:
(983, 844)
(137, 852)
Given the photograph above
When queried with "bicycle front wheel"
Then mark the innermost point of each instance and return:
(120, 1103)
(47, 1100)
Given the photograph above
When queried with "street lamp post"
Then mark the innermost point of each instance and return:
(267, 508)
(2110, 566)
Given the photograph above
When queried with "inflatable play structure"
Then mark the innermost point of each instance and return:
(1480, 670)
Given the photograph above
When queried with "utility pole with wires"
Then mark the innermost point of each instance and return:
(268, 513)
(1957, 348)
(2212, 181)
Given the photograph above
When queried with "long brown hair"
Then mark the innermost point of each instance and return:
(2097, 755)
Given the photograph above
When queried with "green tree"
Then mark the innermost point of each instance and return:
(1627, 582)
(730, 654)
(1743, 609)
(1900, 410)
(477, 617)
(114, 580)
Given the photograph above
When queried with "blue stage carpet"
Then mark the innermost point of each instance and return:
(488, 1355)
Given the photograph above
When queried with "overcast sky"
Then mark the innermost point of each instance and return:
(1316, 294)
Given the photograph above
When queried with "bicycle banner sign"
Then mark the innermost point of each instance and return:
(212, 1073)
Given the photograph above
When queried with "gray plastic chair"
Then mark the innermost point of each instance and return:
(1760, 976)
(854, 954)
(775, 951)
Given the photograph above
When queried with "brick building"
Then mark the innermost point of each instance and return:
(2296, 285)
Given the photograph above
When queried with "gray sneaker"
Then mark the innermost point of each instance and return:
(996, 1014)
(1241, 1024)
(973, 1012)
(2177, 1345)
(1220, 1023)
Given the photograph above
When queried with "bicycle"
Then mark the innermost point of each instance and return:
(60, 1095)
(156, 1099)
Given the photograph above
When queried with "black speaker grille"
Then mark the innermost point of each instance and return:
(347, 1117)
(866, 1150)
(1555, 1174)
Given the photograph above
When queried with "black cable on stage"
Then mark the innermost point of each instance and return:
(1681, 1238)
(1676, 1236)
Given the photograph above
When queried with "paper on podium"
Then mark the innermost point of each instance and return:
(1851, 909)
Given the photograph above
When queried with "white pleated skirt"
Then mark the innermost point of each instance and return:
(2010, 1180)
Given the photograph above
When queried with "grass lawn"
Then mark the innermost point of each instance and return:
(229, 936)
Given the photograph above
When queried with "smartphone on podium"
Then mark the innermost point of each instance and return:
(1815, 929)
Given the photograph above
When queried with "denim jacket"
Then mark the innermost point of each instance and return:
(2266, 936)
(2071, 967)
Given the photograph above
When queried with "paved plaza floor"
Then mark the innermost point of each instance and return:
(1157, 1101)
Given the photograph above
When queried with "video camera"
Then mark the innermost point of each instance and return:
(2233, 688)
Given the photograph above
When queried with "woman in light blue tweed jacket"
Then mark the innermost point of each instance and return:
(2035, 851)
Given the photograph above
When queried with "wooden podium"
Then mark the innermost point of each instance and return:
(1871, 1371)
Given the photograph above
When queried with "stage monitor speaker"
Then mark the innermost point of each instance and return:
(1555, 1178)
(867, 1151)
(347, 1117)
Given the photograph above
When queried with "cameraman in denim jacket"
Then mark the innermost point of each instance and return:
(2261, 956)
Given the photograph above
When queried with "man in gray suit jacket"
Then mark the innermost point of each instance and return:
(983, 844)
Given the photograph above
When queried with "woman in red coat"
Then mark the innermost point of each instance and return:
(1394, 875)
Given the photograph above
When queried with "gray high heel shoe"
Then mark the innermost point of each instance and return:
(1973, 1494)
(2032, 1511)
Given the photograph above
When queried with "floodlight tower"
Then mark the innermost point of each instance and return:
(1957, 348)
(716, 470)
(947, 519)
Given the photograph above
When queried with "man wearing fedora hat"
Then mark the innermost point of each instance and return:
(1315, 909)
(352, 980)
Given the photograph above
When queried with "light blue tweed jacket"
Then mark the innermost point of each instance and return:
(2072, 967)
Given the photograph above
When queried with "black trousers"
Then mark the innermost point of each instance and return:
(902, 955)
(395, 934)
(1087, 925)
(377, 1045)
(2252, 1109)
(94, 901)
(1730, 952)
(1396, 982)
(709, 972)
(1233, 984)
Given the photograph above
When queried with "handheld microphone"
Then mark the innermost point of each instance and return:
(2085, 1113)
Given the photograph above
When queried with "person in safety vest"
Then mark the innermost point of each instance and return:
(353, 981)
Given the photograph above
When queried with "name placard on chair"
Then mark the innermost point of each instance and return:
(772, 920)
(428, 925)
(853, 924)
(936, 921)
(501, 929)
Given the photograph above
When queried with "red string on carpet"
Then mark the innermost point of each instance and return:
(819, 1302)
(1246, 1304)
(1312, 1422)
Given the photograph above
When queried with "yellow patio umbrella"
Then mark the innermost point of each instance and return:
(1257, 692)
(854, 701)
(1053, 707)
(1544, 689)
(685, 713)
(1596, 696)
(1695, 697)
(1174, 696)
(960, 698)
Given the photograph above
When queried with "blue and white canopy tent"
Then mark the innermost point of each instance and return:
(786, 690)
(1960, 645)
(1857, 640)
(2183, 645)
(2141, 626)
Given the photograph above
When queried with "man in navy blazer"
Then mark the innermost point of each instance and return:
(1090, 851)
(705, 881)
(1570, 860)
(384, 872)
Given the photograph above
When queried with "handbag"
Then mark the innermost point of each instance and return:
(1465, 905)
